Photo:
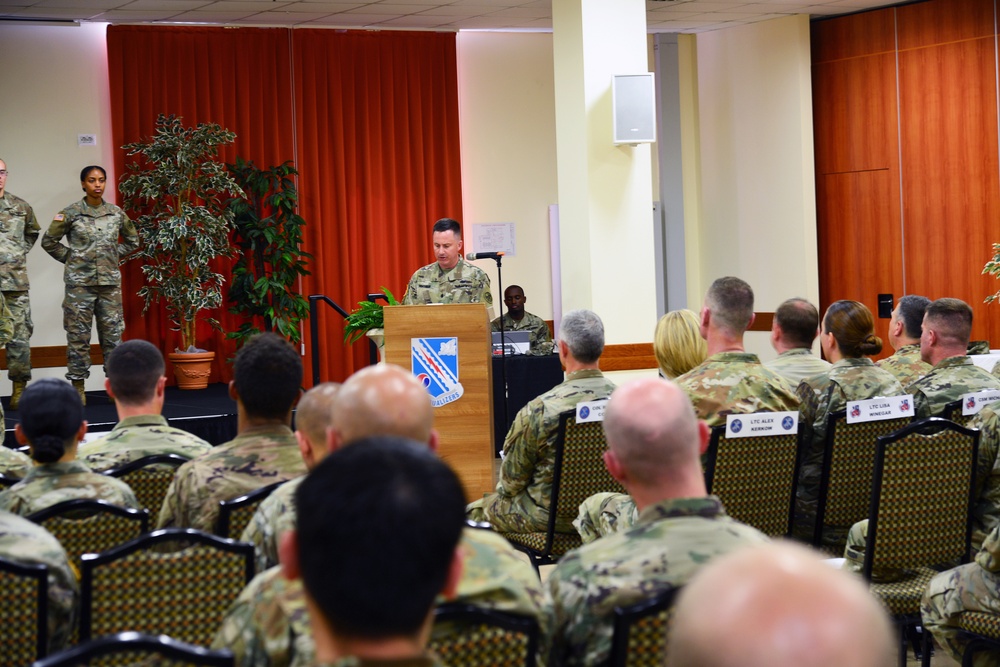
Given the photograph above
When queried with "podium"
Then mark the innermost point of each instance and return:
(448, 347)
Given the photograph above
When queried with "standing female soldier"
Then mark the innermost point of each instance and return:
(93, 282)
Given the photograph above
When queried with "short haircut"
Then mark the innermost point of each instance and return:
(951, 319)
(910, 311)
(730, 301)
(583, 333)
(677, 343)
(799, 321)
(448, 225)
(89, 168)
(133, 369)
(51, 413)
(378, 522)
(853, 328)
(511, 288)
(267, 373)
(315, 411)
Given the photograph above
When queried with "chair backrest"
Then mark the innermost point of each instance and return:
(24, 597)
(149, 477)
(91, 526)
(845, 489)
(182, 593)
(579, 470)
(235, 513)
(953, 412)
(641, 631)
(922, 497)
(131, 648)
(478, 637)
(755, 478)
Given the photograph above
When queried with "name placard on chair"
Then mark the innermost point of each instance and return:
(757, 424)
(975, 401)
(876, 409)
(591, 411)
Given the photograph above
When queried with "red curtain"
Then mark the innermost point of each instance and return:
(375, 125)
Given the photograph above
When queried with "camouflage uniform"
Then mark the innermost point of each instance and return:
(821, 395)
(93, 281)
(605, 513)
(670, 541)
(274, 516)
(49, 483)
(978, 347)
(986, 508)
(13, 463)
(427, 660)
(521, 502)
(971, 587)
(18, 232)
(268, 625)
(257, 457)
(735, 383)
(463, 283)
(26, 542)
(905, 364)
(946, 382)
(796, 365)
(538, 330)
(135, 437)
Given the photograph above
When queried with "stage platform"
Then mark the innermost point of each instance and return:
(208, 413)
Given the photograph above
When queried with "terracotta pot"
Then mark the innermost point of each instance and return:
(192, 369)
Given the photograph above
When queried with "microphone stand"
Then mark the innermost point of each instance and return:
(503, 349)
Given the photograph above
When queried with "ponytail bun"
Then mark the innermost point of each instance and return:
(47, 448)
(871, 344)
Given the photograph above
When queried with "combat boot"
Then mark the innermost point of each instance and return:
(78, 385)
(15, 396)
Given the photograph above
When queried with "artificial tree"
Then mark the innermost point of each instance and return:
(177, 190)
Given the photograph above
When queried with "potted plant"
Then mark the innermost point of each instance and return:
(267, 234)
(179, 189)
(367, 320)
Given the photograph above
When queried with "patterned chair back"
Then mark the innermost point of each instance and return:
(133, 648)
(235, 513)
(149, 477)
(845, 489)
(754, 478)
(24, 596)
(579, 473)
(183, 594)
(641, 631)
(473, 636)
(953, 412)
(91, 526)
(981, 632)
(922, 497)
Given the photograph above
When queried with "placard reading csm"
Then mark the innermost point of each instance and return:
(494, 237)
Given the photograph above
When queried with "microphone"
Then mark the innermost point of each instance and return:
(484, 255)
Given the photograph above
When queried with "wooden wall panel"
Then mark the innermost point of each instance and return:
(853, 36)
(859, 240)
(854, 101)
(929, 23)
(951, 172)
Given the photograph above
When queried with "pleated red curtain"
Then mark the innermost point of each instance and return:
(374, 119)
(377, 131)
(238, 78)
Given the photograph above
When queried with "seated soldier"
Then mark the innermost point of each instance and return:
(793, 330)
(368, 603)
(518, 319)
(905, 330)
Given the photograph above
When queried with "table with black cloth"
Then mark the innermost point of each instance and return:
(527, 377)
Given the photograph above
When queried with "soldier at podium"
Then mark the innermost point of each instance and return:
(450, 279)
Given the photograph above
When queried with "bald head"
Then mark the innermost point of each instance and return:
(314, 413)
(652, 433)
(780, 606)
(383, 400)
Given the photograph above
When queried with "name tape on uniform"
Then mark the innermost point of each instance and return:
(877, 409)
(975, 401)
(757, 424)
(590, 411)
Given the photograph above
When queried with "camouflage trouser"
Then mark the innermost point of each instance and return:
(513, 514)
(605, 513)
(80, 307)
(965, 588)
(19, 348)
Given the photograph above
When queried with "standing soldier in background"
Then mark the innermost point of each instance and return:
(18, 232)
(93, 282)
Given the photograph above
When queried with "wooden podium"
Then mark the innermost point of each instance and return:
(464, 424)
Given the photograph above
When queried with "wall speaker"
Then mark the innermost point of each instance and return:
(634, 101)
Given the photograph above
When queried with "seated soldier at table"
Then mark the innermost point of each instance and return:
(518, 319)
